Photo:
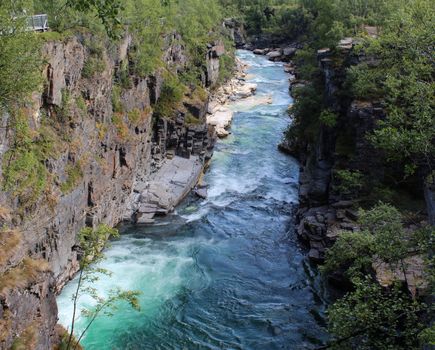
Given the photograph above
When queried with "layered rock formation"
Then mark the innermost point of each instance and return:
(113, 162)
(324, 213)
(325, 210)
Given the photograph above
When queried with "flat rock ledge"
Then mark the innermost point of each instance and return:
(178, 176)
(219, 111)
(166, 188)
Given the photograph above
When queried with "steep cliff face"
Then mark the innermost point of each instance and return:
(107, 146)
(323, 211)
(341, 152)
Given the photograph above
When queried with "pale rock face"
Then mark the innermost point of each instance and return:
(220, 113)
(221, 120)
(167, 187)
(274, 54)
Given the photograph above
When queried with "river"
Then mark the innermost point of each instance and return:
(226, 272)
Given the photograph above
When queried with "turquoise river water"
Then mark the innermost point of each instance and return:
(225, 272)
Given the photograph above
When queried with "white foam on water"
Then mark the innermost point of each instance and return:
(158, 270)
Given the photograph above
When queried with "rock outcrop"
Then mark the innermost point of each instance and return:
(282, 54)
(113, 162)
(326, 209)
(220, 113)
(236, 31)
(322, 213)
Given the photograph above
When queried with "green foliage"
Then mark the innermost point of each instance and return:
(106, 11)
(93, 66)
(74, 174)
(120, 125)
(116, 99)
(170, 97)
(349, 182)
(382, 236)
(190, 119)
(403, 78)
(226, 68)
(20, 61)
(134, 116)
(24, 171)
(92, 242)
(125, 76)
(372, 318)
(427, 337)
(306, 109)
(328, 118)
(81, 104)
(353, 251)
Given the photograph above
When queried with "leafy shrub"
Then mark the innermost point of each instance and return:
(74, 174)
(120, 125)
(349, 182)
(93, 66)
(171, 95)
(328, 118)
(24, 171)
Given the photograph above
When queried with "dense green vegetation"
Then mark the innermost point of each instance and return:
(100, 26)
(371, 317)
(18, 48)
(397, 71)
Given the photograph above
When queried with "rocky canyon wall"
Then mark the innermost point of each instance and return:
(106, 145)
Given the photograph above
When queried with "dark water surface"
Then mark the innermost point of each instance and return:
(226, 272)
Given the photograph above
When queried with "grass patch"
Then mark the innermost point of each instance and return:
(81, 104)
(116, 99)
(226, 68)
(9, 244)
(24, 172)
(191, 120)
(120, 125)
(74, 175)
(170, 98)
(53, 36)
(22, 275)
(102, 130)
(27, 339)
(137, 117)
(93, 66)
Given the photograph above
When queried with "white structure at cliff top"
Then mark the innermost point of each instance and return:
(37, 23)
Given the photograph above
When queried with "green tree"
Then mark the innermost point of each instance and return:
(369, 316)
(20, 60)
(92, 242)
(403, 78)
(373, 318)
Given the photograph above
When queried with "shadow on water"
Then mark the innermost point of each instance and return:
(225, 272)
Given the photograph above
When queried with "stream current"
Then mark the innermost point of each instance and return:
(226, 272)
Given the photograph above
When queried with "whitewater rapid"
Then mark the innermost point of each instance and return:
(225, 272)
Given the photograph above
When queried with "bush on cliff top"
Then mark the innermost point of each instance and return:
(370, 316)
(20, 61)
(24, 171)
